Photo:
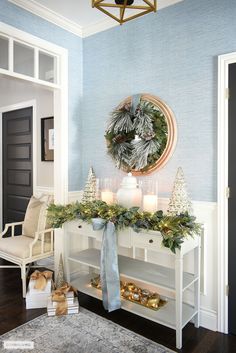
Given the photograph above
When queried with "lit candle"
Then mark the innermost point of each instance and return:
(107, 196)
(150, 203)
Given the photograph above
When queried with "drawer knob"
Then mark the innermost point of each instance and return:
(150, 241)
(79, 226)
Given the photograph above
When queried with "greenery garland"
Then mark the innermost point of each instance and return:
(136, 140)
(174, 229)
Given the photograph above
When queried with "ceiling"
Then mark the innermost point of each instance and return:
(77, 14)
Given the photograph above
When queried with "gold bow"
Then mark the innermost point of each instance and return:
(59, 296)
(41, 279)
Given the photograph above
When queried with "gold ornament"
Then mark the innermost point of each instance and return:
(131, 292)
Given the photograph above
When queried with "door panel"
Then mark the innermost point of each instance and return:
(232, 199)
(17, 164)
(16, 126)
(19, 177)
(19, 151)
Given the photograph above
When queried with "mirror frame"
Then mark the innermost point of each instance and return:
(172, 132)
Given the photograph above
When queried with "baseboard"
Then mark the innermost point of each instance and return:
(208, 319)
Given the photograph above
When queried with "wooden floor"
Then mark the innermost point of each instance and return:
(13, 314)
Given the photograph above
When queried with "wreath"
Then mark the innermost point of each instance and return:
(136, 135)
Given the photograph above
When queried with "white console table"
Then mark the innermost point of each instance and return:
(172, 283)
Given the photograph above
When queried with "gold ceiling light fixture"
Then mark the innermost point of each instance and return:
(125, 10)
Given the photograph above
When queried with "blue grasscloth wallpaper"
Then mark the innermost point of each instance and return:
(26, 21)
(171, 54)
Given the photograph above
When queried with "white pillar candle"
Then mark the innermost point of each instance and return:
(150, 203)
(107, 196)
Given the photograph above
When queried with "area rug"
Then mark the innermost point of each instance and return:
(85, 332)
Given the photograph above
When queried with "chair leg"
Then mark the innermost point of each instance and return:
(28, 268)
(23, 278)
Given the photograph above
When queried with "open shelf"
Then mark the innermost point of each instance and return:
(165, 315)
(146, 272)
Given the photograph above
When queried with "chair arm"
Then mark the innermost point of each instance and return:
(12, 226)
(36, 238)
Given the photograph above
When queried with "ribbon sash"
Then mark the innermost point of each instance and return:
(135, 102)
(109, 271)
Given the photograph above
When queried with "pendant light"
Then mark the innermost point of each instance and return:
(125, 10)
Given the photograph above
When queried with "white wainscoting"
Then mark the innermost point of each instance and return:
(75, 196)
(43, 190)
(72, 195)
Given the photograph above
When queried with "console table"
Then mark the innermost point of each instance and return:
(168, 282)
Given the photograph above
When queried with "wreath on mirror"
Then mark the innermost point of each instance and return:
(136, 135)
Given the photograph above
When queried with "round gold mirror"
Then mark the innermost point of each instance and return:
(141, 134)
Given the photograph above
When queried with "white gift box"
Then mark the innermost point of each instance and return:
(47, 289)
(35, 301)
(36, 298)
(72, 308)
(69, 299)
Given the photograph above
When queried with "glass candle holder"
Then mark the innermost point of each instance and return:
(106, 190)
(150, 192)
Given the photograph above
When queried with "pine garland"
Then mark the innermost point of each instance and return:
(174, 229)
(148, 123)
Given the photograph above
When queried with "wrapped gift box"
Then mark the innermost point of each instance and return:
(71, 308)
(36, 298)
(36, 301)
(47, 289)
(69, 299)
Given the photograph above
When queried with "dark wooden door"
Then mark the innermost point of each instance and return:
(232, 199)
(17, 163)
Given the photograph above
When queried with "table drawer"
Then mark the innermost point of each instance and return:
(148, 240)
(83, 228)
(124, 237)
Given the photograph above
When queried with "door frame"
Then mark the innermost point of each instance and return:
(17, 106)
(60, 117)
(223, 192)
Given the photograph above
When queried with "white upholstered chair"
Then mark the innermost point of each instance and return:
(34, 243)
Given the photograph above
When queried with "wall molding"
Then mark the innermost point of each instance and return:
(49, 15)
(75, 195)
(70, 26)
(39, 190)
(222, 217)
(98, 27)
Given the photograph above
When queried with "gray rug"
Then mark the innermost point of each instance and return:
(85, 332)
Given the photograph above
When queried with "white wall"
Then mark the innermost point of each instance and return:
(14, 91)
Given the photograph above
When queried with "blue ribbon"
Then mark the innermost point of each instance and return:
(109, 271)
(135, 102)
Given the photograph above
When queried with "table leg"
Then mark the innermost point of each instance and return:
(179, 298)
